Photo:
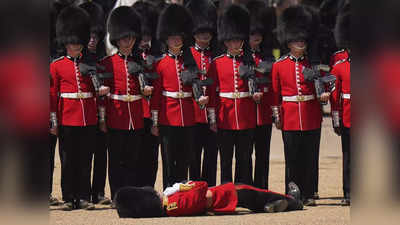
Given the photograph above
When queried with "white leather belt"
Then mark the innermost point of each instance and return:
(346, 96)
(234, 94)
(78, 95)
(298, 98)
(125, 98)
(177, 94)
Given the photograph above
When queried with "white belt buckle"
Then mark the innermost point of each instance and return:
(236, 95)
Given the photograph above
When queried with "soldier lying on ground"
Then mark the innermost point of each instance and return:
(195, 198)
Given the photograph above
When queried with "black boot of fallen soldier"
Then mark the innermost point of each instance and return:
(258, 201)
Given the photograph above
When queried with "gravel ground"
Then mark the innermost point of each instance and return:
(328, 211)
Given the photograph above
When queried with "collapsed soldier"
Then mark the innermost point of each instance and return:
(195, 198)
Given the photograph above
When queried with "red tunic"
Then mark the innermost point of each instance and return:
(264, 112)
(194, 201)
(145, 101)
(203, 60)
(288, 80)
(122, 115)
(341, 97)
(232, 113)
(66, 78)
(172, 111)
(338, 56)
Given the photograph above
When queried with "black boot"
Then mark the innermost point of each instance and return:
(295, 203)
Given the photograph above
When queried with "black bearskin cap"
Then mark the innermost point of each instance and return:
(174, 20)
(123, 22)
(73, 26)
(97, 17)
(149, 15)
(204, 14)
(297, 23)
(257, 11)
(342, 28)
(234, 23)
(138, 202)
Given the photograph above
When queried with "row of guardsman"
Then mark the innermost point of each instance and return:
(196, 81)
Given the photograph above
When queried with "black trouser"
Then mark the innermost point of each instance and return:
(123, 155)
(100, 165)
(315, 165)
(77, 146)
(241, 141)
(177, 147)
(346, 161)
(262, 141)
(300, 148)
(204, 139)
(255, 199)
(148, 156)
(52, 151)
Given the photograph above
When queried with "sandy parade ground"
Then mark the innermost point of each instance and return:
(328, 211)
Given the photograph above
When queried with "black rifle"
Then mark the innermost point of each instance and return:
(145, 78)
(190, 77)
(314, 75)
(90, 69)
(248, 73)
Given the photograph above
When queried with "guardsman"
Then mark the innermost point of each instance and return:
(296, 110)
(262, 52)
(122, 113)
(341, 97)
(150, 143)
(171, 103)
(235, 108)
(196, 198)
(73, 107)
(204, 30)
(96, 50)
(55, 9)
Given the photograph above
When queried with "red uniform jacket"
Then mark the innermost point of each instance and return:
(145, 101)
(194, 201)
(66, 78)
(288, 80)
(122, 114)
(232, 113)
(203, 60)
(264, 112)
(341, 97)
(172, 111)
(338, 56)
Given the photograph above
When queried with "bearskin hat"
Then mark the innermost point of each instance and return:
(97, 17)
(342, 28)
(123, 21)
(204, 14)
(138, 202)
(149, 15)
(234, 23)
(297, 23)
(257, 10)
(73, 26)
(174, 20)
